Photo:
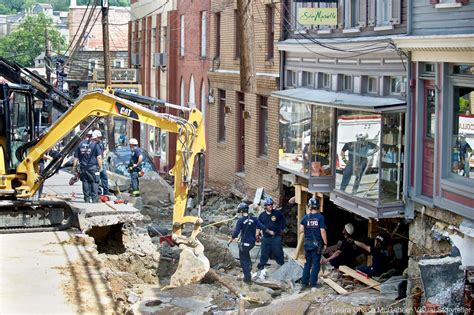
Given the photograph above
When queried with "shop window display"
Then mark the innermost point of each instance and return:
(462, 138)
(321, 140)
(358, 138)
(295, 133)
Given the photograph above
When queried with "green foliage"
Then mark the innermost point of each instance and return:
(27, 41)
(464, 105)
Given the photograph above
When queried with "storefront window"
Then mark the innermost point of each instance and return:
(392, 155)
(358, 138)
(462, 142)
(321, 141)
(295, 123)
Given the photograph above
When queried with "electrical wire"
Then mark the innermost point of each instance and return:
(78, 28)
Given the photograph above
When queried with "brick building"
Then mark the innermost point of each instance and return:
(243, 127)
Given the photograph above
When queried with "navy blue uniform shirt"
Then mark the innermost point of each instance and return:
(135, 154)
(275, 221)
(87, 153)
(248, 226)
(313, 223)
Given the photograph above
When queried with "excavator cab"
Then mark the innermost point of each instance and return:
(17, 116)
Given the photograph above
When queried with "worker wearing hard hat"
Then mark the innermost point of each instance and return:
(89, 158)
(135, 166)
(345, 253)
(104, 180)
(379, 257)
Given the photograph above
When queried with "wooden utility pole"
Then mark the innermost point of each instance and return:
(247, 46)
(107, 69)
(47, 57)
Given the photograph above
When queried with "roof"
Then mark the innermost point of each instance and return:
(340, 100)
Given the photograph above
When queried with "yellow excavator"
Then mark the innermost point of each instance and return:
(23, 144)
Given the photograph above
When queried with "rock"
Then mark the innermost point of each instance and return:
(132, 297)
(392, 284)
(225, 230)
(292, 304)
(217, 252)
(138, 203)
(290, 270)
(157, 230)
(154, 189)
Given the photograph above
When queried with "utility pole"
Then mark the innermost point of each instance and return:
(247, 44)
(47, 57)
(107, 69)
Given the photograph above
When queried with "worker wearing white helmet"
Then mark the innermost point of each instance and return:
(135, 166)
(345, 253)
(104, 180)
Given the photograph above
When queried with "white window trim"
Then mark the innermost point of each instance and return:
(203, 33)
(181, 42)
(448, 5)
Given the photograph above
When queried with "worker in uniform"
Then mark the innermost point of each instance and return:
(135, 166)
(275, 221)
(89, 157)
(379, 257)
(345, 253)
(248, 227)
(313, 228)
(359, 152)
(104, 180)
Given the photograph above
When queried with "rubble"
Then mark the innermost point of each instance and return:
(290, 271)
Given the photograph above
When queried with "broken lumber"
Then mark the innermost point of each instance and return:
(214, 276)
(336, 287)
(351, 272)
(269, 284)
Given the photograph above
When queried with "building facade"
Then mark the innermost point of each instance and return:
(342, 112)
(243, 127)
(441, 166)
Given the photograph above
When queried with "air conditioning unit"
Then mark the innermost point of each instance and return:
(160, 60)
(135, 59)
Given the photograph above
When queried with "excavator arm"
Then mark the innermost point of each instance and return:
(190, 143)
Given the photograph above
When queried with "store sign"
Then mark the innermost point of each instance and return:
(317, 16)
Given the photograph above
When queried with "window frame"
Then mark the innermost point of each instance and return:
(263, 126)
(270, 28)
(221, 98)
(391, 92)
(203, 29)
(217, 39)
(328, 76)
(376, 85)
(344, 87)
(452, 182)
(237, 35)
(181, 36)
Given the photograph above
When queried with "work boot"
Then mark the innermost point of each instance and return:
(304, 288)
(136, 193)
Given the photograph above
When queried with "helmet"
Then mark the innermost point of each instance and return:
(96, 134)
(243, 207)
(268, 201)
(313, 203)
(133, 141)
(89, 133)
(349, 228)
(362, 136)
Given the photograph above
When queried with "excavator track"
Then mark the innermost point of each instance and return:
(35, 216)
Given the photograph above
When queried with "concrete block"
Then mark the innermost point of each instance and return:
(290, 270)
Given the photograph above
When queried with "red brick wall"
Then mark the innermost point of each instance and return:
(222, 157)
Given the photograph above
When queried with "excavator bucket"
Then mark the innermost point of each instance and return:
(192, 266)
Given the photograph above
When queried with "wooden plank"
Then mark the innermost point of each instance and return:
(351, 272)
(336, 287)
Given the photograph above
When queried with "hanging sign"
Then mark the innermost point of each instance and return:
(317, 16)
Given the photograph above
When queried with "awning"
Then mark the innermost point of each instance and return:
(341, 100)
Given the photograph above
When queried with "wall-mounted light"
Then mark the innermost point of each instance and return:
(246, 114)
(227, 109)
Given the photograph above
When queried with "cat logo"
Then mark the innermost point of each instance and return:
(125, 111)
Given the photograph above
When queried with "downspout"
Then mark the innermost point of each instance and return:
(409, 205)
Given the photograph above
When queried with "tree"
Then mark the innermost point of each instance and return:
(15, 6)
(27, 41)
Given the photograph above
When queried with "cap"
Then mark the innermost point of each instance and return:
(380, 238)
(313, 203)
(268, 201)
(243, 207)
(96, 134)
(349, 228)
(133, 141)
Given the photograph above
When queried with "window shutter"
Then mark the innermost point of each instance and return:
(396, 11)
(462, 1)
(362, 13)
(340, 14)
(434, 1)
(371, 12)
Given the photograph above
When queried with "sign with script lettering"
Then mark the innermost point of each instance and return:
(317, 16)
